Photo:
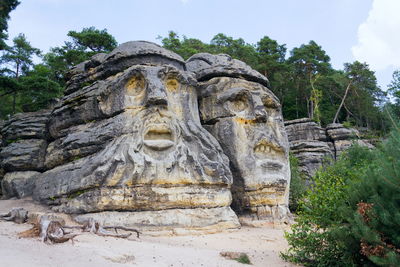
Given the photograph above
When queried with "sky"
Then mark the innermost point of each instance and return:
(348, 30)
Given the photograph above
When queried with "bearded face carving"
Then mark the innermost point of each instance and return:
(245, 117)
(156, 155)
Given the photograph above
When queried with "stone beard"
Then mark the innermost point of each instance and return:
(246, 119)
(162, 158)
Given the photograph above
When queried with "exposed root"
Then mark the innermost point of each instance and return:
(94, 227)
(31, 233)
(53, 231)
(50, 230)
(17, 215)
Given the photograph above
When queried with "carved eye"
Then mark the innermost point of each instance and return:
(135, 85)
(239, 104)
(172, 84)
(270, 103)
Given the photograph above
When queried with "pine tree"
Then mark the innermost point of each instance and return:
(375, 207)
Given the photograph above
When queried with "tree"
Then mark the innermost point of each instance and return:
(309, 63)
(92, 39)
(272, 64)
(38, 89)
(271, 56)
(6, 6)
(364, 95)
(370, 232)
(394, 92)
(236, 48)
(185, 47)
(18, 60)
(313, 240)
(82, 46)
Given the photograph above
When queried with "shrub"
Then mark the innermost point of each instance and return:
(371, 233)
(297, 184)
(313, 240)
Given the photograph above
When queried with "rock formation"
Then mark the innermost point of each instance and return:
(126, 147)
(313, 145)
(245, 117)
(23, 152)
(127, 137)
(342, 138)
(309, 144)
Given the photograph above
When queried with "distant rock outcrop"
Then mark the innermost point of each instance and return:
(23, 153)
(312, 145)
(309, 144)
(342, 137)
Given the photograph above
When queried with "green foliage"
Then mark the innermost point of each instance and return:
(93, 39)
(371, 232)
(82, 46)
(185, 47)
(17, 61)
(347, 124)
(394, 92)
(297, 184)
(18, 58)
(243, 259)
(313, 240)
(6, 6)
(305, 83)
(351, 216)
(38, 90)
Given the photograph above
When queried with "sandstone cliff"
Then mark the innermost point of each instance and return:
(313, 145)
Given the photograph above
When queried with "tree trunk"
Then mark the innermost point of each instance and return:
(341, 103)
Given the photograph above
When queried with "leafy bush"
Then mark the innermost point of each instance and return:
(313, 240)
(371, 233)
(347, 124)
(297, 184)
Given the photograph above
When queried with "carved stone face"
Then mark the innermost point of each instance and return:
(246, 119)
(160, 156)
(156, 98)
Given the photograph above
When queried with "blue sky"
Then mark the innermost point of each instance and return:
(347, 30)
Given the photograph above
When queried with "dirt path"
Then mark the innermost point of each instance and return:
(261, 244)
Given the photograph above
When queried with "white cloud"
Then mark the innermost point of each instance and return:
(379, 36)
(184, 1)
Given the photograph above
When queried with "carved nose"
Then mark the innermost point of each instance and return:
(260, 113)
(156, 96)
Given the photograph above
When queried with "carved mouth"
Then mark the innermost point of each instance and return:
(158, 137)
(268, 149)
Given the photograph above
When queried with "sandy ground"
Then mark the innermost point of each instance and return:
(261, 244)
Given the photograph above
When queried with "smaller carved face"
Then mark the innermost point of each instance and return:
(247, 120)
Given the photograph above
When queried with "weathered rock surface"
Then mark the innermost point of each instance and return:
(343, 138)
(30, 125)
(24, 155)
(313, 145)
(308, 143)
(192, 220)
(24, 142)
(126, 145)
(18, 184)
(246, 118)
(127, 137)
(206, 66)
(23, 151)
(101, 66)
